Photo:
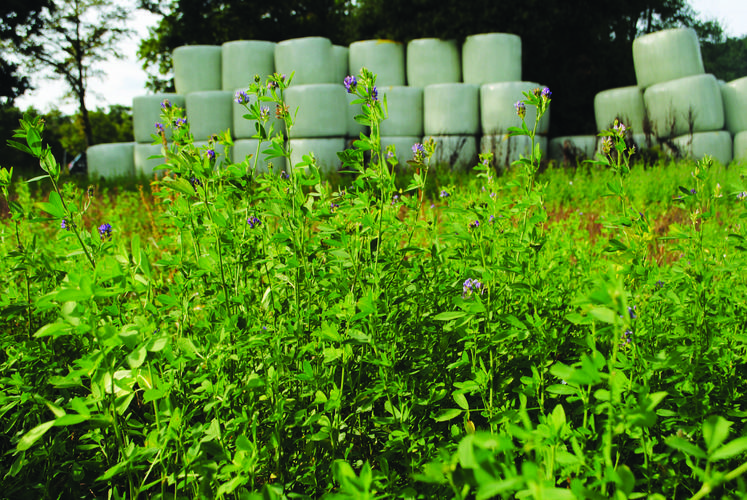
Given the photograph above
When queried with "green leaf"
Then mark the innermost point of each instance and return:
(447, 414)
(730, 449)
(685, 446)
(604, 314)
(715, 432)
(460, 400)
(32, 436)
(448, 316)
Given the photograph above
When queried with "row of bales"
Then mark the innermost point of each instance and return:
(675, 105)
(463, 97)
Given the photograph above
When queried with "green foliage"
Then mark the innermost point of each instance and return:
(240, 335)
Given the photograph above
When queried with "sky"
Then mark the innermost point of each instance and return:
(125, 79)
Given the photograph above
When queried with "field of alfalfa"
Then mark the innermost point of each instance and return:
(389, 333)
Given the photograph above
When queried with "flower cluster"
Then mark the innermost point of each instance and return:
(264, 113)
(160, 128)
(242, 97)
(179, 122)
(210, 154)
(444, 194)
(105, 231)
(521, 109)
(66, 224)
(350, 83)
(474, 224)
(627, 337)
(253, 222)
(333, 206)
(165, 104)
(471, 286)
(741, 196)
(418, 151)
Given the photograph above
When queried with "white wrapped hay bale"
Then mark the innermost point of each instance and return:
(734, 96)
(676, 106)
(324, 150)
(569, 149)
(497, 111)
(431, 61)
(384, 58)
(402, 146)
(146, 112)
(666, 55)
(111, 160)
(245, 128)
(405, 108)
(491, 57)
(197, 68)
(451, 109)
(244, 148)
(209, 112)
(311, 58)
(243, 59)
(145, 163)
(458, 152)
(716, 144)
(322, 110)
(507, 149)
(740, 146)
(342, 67)
(624, 104)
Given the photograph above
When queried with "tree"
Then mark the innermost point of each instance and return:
(187, 22)
(73, 36)
(18, 19)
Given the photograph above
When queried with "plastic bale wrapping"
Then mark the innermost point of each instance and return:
(490, 58)
(342, 67)
(111, 161)
(666, 55)
(209, 112)
(311, 59)
(324, 150)
(458, 152)
(624, 104)
(242, 60)
(402, 147)
(322, 110)
(572, 148)
(354, 129)
(740, 146)
(451, 109)
(508, 149)
(431, 61)
(146, 112)
(197, 68)
(384, 58)
(734, 95)
(145, 163)
(497, 111)
(717, 144)
(245, 128)
(405, 108)
(246, 149)
(689, 104)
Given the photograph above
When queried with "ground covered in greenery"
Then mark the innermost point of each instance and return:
(415, 333)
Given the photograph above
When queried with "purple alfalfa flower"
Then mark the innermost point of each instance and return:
(165, 104)
(521, 109)
(693, 191)
(241, 97)
(160, 129)
(284, 175)
(627, 336)
(471, 286)
(66, 225)
(210, 154)
(474, 224)
(350, 83)
(741, 196)
(105, 231)
(195, 181)
(631, 312)
(546, 94)
(333, 206)
(253, 222)
(374, 94)
(264, 113)
(606, 145)
(660, 284)
(418, 151)
(444, 194)
(491, 219)
(179, 122)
